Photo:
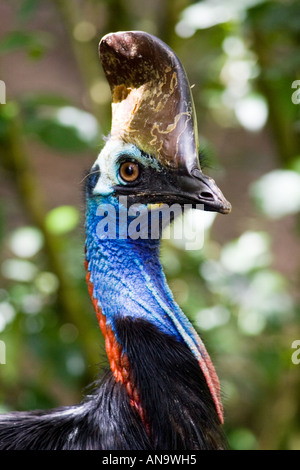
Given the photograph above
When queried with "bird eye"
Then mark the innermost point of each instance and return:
(129, 171)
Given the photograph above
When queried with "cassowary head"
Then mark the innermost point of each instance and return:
(151, 155)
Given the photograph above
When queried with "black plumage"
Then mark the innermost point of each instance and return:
(186, 420)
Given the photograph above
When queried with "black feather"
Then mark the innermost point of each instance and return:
(104, 421)
(173, 393)
(205, 158)
(91, 177)
(173, 390)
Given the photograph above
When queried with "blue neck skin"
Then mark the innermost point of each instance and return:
(128, 279)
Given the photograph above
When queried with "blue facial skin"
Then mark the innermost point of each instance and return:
(126, 273)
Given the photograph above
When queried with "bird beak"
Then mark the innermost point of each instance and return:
(200, 190)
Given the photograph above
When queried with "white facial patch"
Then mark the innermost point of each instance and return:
(107, 165)
(108, 162)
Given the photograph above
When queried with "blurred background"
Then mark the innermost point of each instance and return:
(241, 289)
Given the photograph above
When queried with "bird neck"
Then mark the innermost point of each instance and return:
(126, 273)
(126, 279)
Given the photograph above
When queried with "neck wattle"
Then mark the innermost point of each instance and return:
(125, 279)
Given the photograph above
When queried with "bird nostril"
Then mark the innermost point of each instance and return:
(206, 195)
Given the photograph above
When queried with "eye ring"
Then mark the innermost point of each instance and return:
(129, 171)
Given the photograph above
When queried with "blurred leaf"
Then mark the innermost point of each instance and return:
(33, 100)
(4, 126)
(62, 219)
(27, 9)
(271, 17)
(242, 439)
(35, 43)
(56, 135)
(277, 193)
(248, 252)
(19, 270)
(7, 114)
(9, 111)
(296, 164)
(26, 241)
(62, 127)
(205, 14)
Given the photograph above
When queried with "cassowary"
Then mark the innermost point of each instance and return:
(161, 391)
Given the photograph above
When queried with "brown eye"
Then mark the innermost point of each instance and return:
(129, 171)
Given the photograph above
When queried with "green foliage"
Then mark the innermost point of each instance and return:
(35, 44)
(27, 9)
(62, 219)
(58, 125)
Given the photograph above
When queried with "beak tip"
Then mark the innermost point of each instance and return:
(210, 194)
(222, 207)
(226, 208)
